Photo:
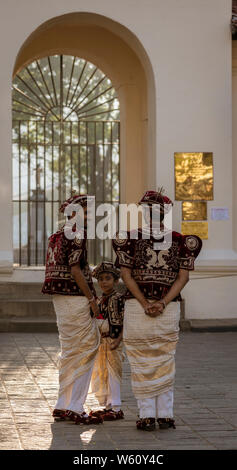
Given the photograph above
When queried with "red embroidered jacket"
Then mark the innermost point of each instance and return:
(112, 307)
(155, 270)
(61, 255)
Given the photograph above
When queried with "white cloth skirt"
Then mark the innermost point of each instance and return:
(79, 338)
(150, 346)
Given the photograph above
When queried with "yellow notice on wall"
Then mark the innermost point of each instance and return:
(195, 228)
(194, 210)
(193, 176)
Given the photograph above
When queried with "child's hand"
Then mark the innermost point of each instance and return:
(94, 309)
(116, 342)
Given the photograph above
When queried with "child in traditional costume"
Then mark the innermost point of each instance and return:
(107, 372)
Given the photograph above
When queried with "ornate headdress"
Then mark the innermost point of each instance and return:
(155, 197)
(74, 199)
(106, 267)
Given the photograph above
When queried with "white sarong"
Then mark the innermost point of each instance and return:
(150, 346)
(79, 340)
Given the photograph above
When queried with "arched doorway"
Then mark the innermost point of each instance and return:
(65, 138)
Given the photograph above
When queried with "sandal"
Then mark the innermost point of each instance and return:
(70, 415)
(166, 423)
(83, 418)
(108, 415)
(111, 415)
(97, 412)
(146, 424)
(58, 415)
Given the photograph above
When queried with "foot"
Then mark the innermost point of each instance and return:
(111, 415)
(70, 415)
(83, 418)
(98, 412)
(146, 424)
(166, 423)
(108, 415)
(58, 415)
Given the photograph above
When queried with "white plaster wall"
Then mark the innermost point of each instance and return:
(194, 103)
(210, 298)
(234, 140)
(189, 46)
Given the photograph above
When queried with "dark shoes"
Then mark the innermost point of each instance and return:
(146, 424)
(58, 415)
(77, 418)
(82, 418)
(166, 423)
(108, 415)
(97, 417)
(149, 424)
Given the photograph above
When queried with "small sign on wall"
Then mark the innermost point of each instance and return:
(220, 213)
(195, 228)
(193, 210)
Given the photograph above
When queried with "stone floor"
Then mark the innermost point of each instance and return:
(205, 398)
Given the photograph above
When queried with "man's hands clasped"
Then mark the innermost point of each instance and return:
(154, 309)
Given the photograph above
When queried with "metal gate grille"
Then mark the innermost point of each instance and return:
(58, 152)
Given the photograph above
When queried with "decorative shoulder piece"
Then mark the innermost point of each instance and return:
(124, 249)
(190, 248)
(192, 242)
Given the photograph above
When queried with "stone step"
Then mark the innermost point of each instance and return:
(27, 308)
(215, 325)
(28, 325)
(21, 290)
(24, 299)
(32, 290)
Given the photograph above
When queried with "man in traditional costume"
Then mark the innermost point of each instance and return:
(154, 279)
(107, 372)
(68, 279)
